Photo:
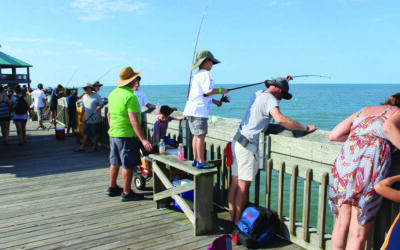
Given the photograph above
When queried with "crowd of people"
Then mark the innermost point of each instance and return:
(358, 177)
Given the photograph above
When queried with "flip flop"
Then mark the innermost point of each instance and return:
(92, 150)
(79, 150)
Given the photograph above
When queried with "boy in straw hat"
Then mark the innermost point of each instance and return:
(124, 119)
(199, 103)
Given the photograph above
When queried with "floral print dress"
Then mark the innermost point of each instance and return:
(363, 161)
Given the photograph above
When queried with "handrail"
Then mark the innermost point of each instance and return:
(294, 180)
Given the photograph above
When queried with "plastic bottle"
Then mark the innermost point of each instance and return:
(162, 147)
(181, 154)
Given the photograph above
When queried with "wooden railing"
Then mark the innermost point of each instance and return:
(294, 179)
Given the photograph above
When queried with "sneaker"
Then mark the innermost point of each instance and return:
(194, 163)
(205, 165)
(131, 196)
(112, 192)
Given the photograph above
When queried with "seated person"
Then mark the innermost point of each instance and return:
(161, 126)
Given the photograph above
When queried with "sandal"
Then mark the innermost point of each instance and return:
(79, 150)
(92, 150)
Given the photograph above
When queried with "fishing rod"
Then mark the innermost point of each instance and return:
(70, 79)
(225, 98)
(311, 76)
(101, 106)
(195, 48)
(105, 73)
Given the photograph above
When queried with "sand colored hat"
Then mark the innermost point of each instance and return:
(97, 84)
(126, 75)
(282, 84)
(88, 85)
(201, 56)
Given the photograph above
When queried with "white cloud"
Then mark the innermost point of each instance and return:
(282, 3)
(100, 54)
(36, 52)
(100, 9)
(41, 40)
(23, 39)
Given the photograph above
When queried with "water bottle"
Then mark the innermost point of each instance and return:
(162, 147)
(181, 154)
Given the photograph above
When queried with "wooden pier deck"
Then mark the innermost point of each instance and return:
(52, 197)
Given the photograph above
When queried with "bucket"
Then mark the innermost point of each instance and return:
(60, 133)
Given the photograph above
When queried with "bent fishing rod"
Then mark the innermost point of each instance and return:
(195, 48)
(225, 98)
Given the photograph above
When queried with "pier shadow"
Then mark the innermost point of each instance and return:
(44, 155)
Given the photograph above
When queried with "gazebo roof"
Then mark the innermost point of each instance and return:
(7, 60)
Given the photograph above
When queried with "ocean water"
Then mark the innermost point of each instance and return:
(324, 105)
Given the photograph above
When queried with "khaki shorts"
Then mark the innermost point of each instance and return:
(245, 163)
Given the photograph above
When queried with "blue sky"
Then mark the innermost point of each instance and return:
(78, 41)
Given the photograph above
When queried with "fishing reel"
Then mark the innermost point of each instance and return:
(225, 98)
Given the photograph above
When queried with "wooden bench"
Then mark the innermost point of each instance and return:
(202, 216)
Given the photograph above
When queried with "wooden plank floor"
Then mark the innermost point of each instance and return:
(52, 197)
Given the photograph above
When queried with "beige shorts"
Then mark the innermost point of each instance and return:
(245, 163)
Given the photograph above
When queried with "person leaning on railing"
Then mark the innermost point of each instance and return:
(363, 161)
(263, 106)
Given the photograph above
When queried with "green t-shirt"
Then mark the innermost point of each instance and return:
(122, 101)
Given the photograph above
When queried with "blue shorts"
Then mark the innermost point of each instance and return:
(20, 120)
(124, 151)
(91, 129)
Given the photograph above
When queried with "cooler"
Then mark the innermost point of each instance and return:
(189, 195)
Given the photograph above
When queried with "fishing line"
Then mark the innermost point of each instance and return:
(311, 76)
(105, 73)
(195, 48)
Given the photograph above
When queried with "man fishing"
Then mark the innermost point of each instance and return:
(91, 103)
(263, 106)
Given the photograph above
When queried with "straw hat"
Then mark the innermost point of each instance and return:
(201, 56)
(88, 85)
(126, 75)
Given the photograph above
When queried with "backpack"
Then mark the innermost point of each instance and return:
(257, 227)
(20, 106)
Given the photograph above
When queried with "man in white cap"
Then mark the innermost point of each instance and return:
(91, 104)
(264, 105)
(125, 132)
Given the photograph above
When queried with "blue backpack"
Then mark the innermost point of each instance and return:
(257, 227)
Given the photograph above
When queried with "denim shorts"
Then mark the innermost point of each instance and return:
(91, 129)
(20, 120)
(124, 151)
(198, 125)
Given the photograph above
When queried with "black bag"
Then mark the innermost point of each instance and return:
(257, 227)
(20, 106)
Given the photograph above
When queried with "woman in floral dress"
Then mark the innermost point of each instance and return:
(369, 137)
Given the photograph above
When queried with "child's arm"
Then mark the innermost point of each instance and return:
(178, 118)
(384, 188)
(217, 91)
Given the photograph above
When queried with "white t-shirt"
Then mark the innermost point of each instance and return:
(38, 96)
(142, 98)
(197, 105)
(257, 116)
